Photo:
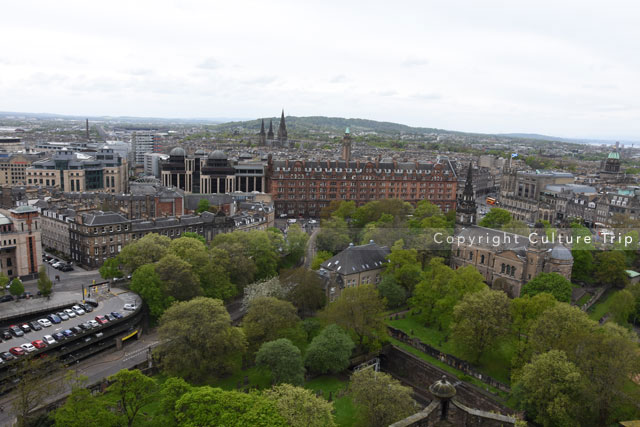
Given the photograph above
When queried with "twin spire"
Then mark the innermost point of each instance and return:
(282, 130)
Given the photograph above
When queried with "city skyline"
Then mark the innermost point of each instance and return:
(558, 70)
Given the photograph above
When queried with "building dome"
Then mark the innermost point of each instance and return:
(442, 389)
(614, 155)
(177, 152)
(561, 253)
(200, 153)
(217, 155)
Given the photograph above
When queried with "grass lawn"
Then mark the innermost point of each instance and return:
(601, 308)
(495, 362)
(583, 299)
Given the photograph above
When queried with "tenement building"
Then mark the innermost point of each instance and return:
(506, 260)
(96, 236)
(20, 242)
(13, 167)
(304, 187)
(212, 173)
(55, 229)
(77, 172)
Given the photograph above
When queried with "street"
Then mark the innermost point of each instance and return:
(70, 281)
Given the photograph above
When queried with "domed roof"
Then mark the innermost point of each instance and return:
(559, 252)
(614, 155)
(443, 389)
(217, 155)
(178, 152)
(199, 152)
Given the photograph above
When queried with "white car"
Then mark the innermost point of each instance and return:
(48, 339)
(79, 311)
(45, 323)
(29, 348)
(70, 312)
(131, 307)
(94, 324)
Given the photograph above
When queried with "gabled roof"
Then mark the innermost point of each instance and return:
(356, 259)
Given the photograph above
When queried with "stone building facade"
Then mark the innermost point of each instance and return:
(20, 242)
(304, 187)
(55, 229)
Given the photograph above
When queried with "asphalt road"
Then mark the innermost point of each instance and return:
(95, 369)
(70, 281)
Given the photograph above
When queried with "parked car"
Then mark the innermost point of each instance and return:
(38, 344)
(66, 268)
(16, 331)
(57, 265)
(7, 356)
(6, 298)
(62, 315)
(68, 333)
(25, 328)
(86, 307)
(26, 295)
(91, 302)
(53, 261)
(54, 319)
(35, 326)
(94, 324)
(48, 339)
(79, 311)
(28, 347)
(17, 351)
(109, 317)
(6, 335)
(117, 315)
(58, 336)
(86, 326)
(70, 312)
(77, 330)
(130, 307)
(45, 323)
(101, 320)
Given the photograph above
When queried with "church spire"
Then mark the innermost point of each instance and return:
(270, 133)
(263, 134)
(466, 208)
(282, 130)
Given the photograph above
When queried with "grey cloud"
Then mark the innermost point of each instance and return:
(209, 64)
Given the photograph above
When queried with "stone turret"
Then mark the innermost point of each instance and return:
(282, 129)
(466, 205)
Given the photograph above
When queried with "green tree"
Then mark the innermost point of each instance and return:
(496, 218)
(44, 283)
(83, 409)
(306, 290)
(284, 361)
(132, 391)
(395, 294)
(480, 319)
(321, 257)
(208, 406)
(622, 306)
(330, 351)
(170, 392)
(110, 269)
(583, 261)
(34, 389)
(16, 288)
(242, 270)
(147, 250)
(611, 268)
(526, 309)
(552, 283)
(268, 319)
(4, 280)
(550, 389)
(441, 289)
(192, 235)
(334, 236)
(178, 276)
(381, 399)
(203, 206)
(516, 227)
(296, 244)
(360, 311)
(199, 331)
(403, 266)
(300, 407)
(146, 283)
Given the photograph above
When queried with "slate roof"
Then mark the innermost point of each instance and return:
(357, 259)
(103, 218)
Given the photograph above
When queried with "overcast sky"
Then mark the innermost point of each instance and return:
(570, 69)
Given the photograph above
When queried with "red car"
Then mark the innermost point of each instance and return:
(101, 319)
(17, 351)
(38, 344)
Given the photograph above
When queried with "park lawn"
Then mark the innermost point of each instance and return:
(583, 299)
(599, 309)
(495, 363)
(259, 378)
(345, 413)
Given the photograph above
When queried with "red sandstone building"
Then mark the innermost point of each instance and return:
(303, 187)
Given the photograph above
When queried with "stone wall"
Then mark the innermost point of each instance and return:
(420, 375)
